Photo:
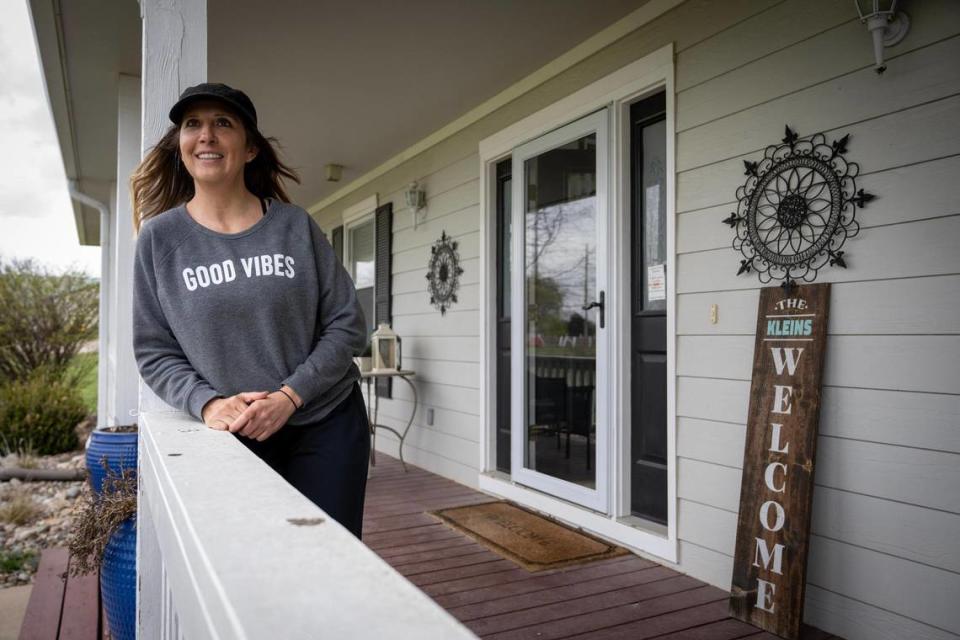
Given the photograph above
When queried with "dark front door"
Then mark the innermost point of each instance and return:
(648, 467)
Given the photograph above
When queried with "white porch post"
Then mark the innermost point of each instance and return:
(108, 352)
(118, 350)
(103, 334)
(174, 58)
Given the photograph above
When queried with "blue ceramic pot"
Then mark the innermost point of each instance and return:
(118, 569)
(118, 581)
(120, 450)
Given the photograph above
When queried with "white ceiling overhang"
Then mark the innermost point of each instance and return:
(349, 83)
(356, 83)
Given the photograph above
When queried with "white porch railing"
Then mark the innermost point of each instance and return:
(227, 549)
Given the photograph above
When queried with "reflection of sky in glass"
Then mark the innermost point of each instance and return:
(564, 237)
(364, 274)
(361, 255)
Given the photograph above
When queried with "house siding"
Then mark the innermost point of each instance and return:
(884, 561)
(443, 350)
(888, 472)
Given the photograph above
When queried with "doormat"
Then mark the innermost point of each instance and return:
(532, 541)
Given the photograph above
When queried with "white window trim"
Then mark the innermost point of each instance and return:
(365, 207)
(619, 89)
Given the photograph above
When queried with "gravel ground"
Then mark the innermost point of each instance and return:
(50, 526)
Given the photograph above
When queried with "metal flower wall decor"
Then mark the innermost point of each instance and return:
(797, 209)
(443, 273)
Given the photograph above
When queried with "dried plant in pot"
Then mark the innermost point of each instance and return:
(104, 539)
(96, 518)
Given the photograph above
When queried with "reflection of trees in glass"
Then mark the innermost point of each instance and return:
(561, 260)
(543, 228)
(578, 326)
(546, 307)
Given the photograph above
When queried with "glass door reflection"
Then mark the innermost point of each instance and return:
(560, 269)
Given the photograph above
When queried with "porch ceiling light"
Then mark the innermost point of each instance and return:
(416, 199)
(886, 25)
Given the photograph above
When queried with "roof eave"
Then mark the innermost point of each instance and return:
(48, 37)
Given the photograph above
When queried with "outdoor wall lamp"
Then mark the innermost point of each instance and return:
(416, 199)
(886, 25)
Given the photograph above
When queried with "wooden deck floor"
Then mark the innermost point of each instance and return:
(624, 597)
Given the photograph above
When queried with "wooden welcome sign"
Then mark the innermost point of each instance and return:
(773, 528)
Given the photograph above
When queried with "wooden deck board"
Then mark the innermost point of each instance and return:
(42, 617)
(535, 582)
(440, 548)
(393, 540)
(494, 566)
(622, 597)
(61, 606)
(483, 556)
(604, 585)
(728, 629)
(591, 604)
(413, 507)
(651, 627)
(678, 597)
(81, 608)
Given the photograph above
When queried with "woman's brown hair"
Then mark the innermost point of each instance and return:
(161, 180)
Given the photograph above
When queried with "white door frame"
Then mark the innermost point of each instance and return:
(595, 499)
(617, 90)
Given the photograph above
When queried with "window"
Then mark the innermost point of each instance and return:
(361, 263)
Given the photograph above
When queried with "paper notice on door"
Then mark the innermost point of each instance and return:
(656, 282)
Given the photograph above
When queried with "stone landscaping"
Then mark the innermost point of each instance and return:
(43, 512)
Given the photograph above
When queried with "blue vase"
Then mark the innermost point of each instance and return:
(118, 569)
(120, 449)
(118, 581)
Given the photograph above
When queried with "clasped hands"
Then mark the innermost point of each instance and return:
(253, 414)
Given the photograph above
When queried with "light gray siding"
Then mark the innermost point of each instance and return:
(443, 350)
(885, 520)
(884, 559)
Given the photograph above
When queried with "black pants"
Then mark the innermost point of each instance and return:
(326, 460)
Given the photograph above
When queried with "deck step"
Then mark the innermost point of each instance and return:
(61, 607)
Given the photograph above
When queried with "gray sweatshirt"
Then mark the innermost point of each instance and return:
(216, 313)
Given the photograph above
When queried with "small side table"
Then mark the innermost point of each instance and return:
(373, 404)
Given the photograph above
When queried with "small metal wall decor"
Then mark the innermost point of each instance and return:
(797, 209)
(444, 273)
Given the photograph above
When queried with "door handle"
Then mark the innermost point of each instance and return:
(599, 304)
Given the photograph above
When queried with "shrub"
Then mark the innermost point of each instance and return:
(41, 412)
(20, 509)
(12, 561)
(25, 453)
(45, 317)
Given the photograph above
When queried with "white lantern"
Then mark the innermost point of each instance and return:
(385, 348)
(886, 25)
(416, 199)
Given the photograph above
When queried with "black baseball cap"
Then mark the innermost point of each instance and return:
(217, 91)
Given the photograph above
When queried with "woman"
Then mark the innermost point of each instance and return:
(242, 314)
